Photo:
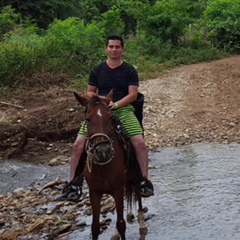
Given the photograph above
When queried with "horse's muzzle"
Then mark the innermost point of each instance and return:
(103, 152)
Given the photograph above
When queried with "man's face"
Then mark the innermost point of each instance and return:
(114, 49)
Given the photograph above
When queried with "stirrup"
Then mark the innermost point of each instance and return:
(147, 189)
(70, 193)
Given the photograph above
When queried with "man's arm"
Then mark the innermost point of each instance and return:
(131, 97)
(91, 91)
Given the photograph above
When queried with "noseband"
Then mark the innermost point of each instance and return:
(92, 157)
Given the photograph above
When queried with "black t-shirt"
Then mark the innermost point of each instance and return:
(117, 79)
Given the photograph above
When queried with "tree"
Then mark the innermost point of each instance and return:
(44, 11)
(165, 22)
(8, 20)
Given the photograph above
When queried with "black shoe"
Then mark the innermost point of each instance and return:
(70, 193)
(146, 188)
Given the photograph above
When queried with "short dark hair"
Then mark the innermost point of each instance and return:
(115, 37)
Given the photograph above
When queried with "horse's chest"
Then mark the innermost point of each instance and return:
(105, 182)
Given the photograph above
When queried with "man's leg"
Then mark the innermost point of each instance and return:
(74, 190)
(134, 131)
(141, 153)
(78, 148)
(142, 158)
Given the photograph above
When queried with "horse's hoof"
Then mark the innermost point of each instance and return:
(115, 237)
(130, 217)
(143, 231)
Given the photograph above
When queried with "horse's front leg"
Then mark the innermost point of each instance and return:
(120, 225)
(95, 199)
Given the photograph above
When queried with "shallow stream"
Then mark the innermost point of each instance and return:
(197, 192)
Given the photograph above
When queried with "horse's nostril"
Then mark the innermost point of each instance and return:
(103, 151)
(108, 150)
(97, 150)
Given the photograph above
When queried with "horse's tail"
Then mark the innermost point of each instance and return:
(134, 177)
(131, 192)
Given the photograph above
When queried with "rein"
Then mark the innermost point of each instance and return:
(90, 149)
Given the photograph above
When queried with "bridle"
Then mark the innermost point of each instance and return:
(91, 147)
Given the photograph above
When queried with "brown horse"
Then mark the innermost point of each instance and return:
(108, 169)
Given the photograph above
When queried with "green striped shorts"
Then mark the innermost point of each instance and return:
(127, 117)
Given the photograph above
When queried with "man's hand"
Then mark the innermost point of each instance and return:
(111, 105)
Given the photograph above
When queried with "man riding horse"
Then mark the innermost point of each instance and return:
(121, 77)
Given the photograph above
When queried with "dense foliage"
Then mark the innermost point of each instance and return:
(69, 36)
(222, 19)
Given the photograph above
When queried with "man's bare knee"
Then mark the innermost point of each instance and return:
(79, 144)
(138, 143)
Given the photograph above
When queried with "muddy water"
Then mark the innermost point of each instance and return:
(197, 193)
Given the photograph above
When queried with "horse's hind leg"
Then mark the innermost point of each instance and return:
(95, 199)
(143, 230)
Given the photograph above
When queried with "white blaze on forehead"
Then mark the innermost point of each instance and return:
(99, 112)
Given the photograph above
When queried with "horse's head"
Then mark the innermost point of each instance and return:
(100, 129)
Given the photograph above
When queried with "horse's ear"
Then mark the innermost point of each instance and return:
(82, 100)
(110, 95)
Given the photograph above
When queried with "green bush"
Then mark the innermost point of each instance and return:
(112, 23)
(20, 55)
(8, 20)
(67, 46)
(222, 19)
(73, 46)
(165, 22)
